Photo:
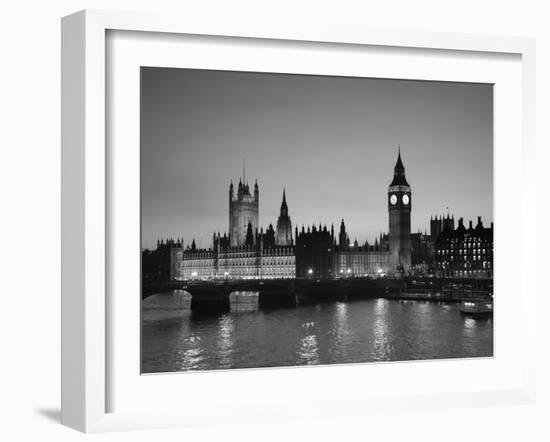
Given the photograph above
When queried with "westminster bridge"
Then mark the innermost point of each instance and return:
(214, 295)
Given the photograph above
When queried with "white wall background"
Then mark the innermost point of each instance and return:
(30, 217)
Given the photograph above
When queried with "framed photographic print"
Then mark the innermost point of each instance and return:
(228, 282)
(254, 212)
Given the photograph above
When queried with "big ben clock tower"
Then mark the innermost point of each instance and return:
(399, 207)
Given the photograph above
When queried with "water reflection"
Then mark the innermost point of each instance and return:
(225, 340)
(174, 338)
(309, 352)
(340, 329)
(472, 326)
(341, 314)
(380, 331)
(380, 306)
(191, 359)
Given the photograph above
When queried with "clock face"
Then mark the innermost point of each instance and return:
(405, 199)
(393, 199)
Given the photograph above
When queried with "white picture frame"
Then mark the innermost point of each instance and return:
(86, 315)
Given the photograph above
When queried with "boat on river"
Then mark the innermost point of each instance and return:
(480, 307)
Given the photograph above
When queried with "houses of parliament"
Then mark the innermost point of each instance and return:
(247, 250)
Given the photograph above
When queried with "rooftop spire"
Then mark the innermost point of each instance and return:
(399, 163)
(244, 175)
(284, 207)
(399, 171)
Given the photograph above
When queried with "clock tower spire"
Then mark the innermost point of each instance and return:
(399, 207)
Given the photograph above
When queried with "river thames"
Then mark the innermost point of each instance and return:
(176, 339)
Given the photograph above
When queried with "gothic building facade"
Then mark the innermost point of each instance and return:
(249, 251)
(242, 262)
(314, 252)
(399, 207)
(464, 252)
(244, 209)
(245, 252)
(440, 223)
(421, 253)
(320, 255)
(162, 264)
(284, 225)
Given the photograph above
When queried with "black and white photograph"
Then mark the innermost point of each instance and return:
(294, 220)
(276, 221)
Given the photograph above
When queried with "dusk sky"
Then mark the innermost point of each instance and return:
(330, 141)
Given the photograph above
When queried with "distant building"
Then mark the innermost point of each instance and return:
(351, 259)
(359, 261)
(196, 264)
(284, 225)
(243, 212)
(246, 252)
(421, 253)
(278, 262)
(314, 252)
(161, 264)
(245, 262)
(440, 223)
(423, 245)
(268, 238)
(399, 207)
(343, 238)
(465, 252)
(318, 255)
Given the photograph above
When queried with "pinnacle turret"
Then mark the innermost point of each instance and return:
(284, 225)
(399, 171)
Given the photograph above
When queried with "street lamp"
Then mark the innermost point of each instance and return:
(310, 272)
(226, 274)
(194, 275)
